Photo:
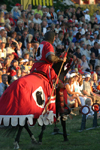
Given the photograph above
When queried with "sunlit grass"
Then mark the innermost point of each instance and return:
(86, 140)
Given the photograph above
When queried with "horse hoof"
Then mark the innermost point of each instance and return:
(40, 143)
(66, 139)
(33, 140)
(16, 145)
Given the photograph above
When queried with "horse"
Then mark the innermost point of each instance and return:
(24, 104)
(69, 64)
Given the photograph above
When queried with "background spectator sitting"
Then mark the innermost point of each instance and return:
(2, 50)
(3, 84)
(95, 49)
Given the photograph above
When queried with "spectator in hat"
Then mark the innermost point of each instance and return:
(87, 90)
(72, 95)
(44, 10)
(49, 20)
(87, 16)
(25, 65)
(91, 41)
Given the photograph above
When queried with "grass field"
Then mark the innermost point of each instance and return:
(86, 140)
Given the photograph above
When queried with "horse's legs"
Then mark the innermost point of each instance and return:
(63, 123)
(41, 134)
(30, 133)
(18, 134)
(16, 145)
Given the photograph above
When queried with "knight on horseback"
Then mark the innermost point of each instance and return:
(45, 58)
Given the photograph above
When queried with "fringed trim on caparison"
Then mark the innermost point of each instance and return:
(46, 119)
(15, 120)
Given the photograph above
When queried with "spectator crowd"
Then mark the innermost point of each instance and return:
(21, 32)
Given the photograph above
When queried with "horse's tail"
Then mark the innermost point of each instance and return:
(9, 131)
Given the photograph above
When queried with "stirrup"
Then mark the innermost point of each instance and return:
(16, 145)
(33, 140)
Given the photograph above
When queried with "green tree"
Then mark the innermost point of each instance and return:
(58, 5)
(10, 3)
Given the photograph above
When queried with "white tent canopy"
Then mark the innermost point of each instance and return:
(67, 2)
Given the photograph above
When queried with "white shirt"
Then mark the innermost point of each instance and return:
(85, 65)
(86, 53)
(97, 62)
(83, 31)
(38, 21)
(91, 43)
(19, 52)
(9, 50)
(99, 51)
(87, 17)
